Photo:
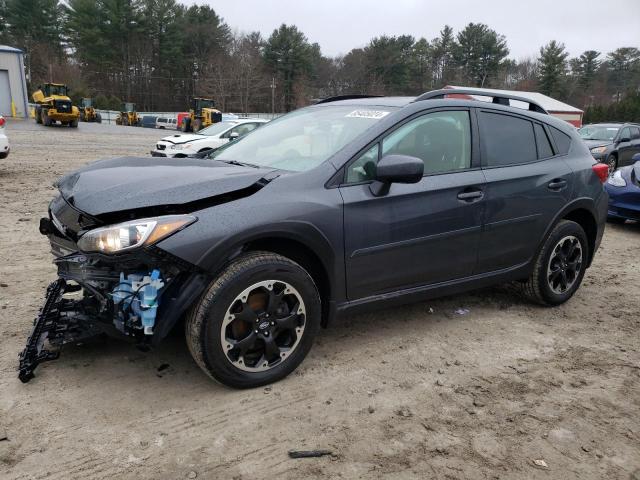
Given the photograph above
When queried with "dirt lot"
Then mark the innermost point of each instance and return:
(416, 392)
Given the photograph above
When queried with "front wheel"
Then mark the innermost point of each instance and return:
(612, 163)
(256, 322)
(560, 265)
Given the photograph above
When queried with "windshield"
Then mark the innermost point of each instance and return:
(598, 133)
(216, 128)
(303, 139)
(58, 90)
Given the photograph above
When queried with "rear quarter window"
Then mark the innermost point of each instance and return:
(563, 141)
(506, 140)
(542, 140)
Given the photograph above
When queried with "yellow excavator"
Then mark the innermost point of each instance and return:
(54, 105)
(88, 112)
(128, 115)
(202, 114)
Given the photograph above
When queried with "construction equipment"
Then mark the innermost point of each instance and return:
(88, 112)
(202, 114)
(54, 105)
(128, 115)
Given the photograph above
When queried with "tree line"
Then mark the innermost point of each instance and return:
(160, 53)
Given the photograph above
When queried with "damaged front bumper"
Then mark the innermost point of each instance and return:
(139, 295)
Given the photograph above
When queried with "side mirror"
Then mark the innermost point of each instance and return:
(623, 140)
(396, 169)
(233, 136)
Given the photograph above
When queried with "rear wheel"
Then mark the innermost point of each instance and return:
(197, 125)
(38, 115)
(560, 265)
(98, 118)
(256, 322)
(186, 125)
(73, 123)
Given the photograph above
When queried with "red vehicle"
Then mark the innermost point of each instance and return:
(181, 115)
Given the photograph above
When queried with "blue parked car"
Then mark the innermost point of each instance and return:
(624, 193)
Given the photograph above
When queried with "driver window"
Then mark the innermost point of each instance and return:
(625, 133)
(442, 140)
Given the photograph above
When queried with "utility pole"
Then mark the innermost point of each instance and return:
(273, 96)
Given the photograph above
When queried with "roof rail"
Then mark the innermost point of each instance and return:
(335, 98)
(499, 98)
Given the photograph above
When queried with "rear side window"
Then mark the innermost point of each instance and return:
(563, 141)
(635, 133)
(544, 146)
(506, 140)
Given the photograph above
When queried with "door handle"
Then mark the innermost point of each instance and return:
(557, 184)
(470, 195)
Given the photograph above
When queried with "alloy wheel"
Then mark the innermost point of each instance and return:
(564, 265)
(263, 326)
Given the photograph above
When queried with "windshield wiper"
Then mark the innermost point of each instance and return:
(240, 164)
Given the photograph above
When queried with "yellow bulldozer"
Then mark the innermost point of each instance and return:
(54, 105)
(202, 114)
(128, 115)
(88, 112)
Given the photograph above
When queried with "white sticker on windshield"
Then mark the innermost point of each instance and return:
(375, 114)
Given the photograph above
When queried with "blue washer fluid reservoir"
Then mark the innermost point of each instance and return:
(138, 294)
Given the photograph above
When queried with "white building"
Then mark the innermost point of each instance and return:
(13, 84)
(555, 107)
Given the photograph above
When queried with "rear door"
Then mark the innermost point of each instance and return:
(528, 182)
(417, 234)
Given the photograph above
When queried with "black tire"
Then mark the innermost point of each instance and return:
(73, 123)
(46, 120)
(98, 118)
(205, 320)
(538, 287)
(186, 125)
(197, 125)
(38, 115)
(612, 163)
(83, 118)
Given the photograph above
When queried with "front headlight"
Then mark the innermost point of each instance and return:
(616, 179)
(599, 150)
(181, 146)
(133, 234)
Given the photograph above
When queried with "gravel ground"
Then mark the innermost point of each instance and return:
(415, 392)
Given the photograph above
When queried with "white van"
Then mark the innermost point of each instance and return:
(167, 123)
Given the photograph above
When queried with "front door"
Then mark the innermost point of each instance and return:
(417, 234)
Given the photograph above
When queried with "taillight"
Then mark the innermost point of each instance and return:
(2, 121)
(602, 171)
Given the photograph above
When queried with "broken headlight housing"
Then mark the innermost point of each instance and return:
(135, 233)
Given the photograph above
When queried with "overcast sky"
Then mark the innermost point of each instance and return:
(340, 25)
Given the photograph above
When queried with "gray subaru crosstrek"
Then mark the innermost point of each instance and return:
(350, 204)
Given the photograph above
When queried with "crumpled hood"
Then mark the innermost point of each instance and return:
(597, 143)
(183, 138)
(131, 183)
